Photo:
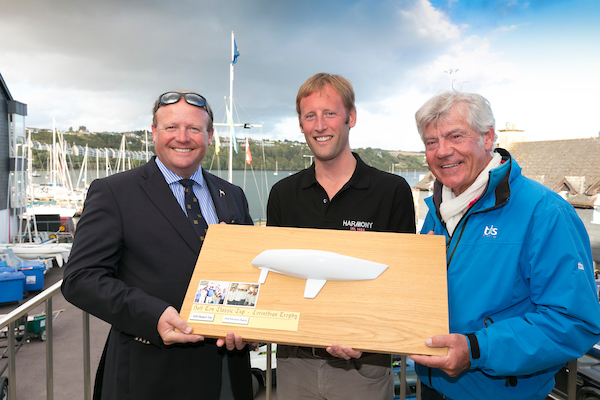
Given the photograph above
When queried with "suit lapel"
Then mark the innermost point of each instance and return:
(160, 194)
(220, 198)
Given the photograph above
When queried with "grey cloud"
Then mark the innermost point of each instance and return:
(135, 50)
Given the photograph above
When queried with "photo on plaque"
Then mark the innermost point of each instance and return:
(211, 292)
(242, 294)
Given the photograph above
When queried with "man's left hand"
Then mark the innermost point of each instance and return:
(172, 329)
(457, 359)
(343, 352)
(231, 342)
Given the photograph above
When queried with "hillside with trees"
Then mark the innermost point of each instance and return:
(289, 155)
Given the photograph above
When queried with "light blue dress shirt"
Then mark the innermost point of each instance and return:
(200, 190)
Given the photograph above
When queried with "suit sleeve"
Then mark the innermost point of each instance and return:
(95, 279)
(247, 217)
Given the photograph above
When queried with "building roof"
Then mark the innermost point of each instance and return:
(4, 89)
(567, 166)
(426, 183)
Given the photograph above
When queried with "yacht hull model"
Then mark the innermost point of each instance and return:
(316, 266)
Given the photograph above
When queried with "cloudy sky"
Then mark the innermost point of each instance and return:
(102, 63)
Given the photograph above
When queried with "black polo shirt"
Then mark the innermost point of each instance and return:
(372, 200)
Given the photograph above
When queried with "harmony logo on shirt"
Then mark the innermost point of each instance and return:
(357, 225)
(490, 231)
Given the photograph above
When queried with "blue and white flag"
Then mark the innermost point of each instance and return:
(236, 52)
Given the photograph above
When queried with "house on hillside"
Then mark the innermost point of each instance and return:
(13, 182)
(571, 168)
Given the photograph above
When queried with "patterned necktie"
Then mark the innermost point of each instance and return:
(192, 208)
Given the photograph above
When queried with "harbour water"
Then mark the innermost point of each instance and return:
(256, 184)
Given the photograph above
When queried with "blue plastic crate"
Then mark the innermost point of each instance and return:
(34, 276)
(7, 269)
(11, 286)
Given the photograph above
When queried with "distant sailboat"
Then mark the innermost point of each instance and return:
(275, 173)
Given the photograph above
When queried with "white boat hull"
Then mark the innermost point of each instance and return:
(316, 266)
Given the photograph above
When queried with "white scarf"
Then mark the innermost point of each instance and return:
(454, 207)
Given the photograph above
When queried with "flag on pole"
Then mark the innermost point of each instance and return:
(248, 154)
(236, 52)
(231, 129)
(217, 144)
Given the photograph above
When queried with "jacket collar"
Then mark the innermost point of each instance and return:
(222, 199)
(498, 185)
(158, 191)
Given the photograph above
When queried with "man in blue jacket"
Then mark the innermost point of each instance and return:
(521, 293)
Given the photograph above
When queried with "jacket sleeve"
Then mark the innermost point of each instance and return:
(556, 263)
(92, 278)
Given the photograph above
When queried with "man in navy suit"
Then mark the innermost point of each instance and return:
(132, 259)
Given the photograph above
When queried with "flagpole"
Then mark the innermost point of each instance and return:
(231, 127)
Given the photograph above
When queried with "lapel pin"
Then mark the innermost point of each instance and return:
(221, 193)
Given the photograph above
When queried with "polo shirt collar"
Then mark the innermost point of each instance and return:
(359, 179)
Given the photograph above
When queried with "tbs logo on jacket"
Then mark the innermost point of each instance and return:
(490, 231)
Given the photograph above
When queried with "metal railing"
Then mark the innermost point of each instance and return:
(11, 320)
(46, 296)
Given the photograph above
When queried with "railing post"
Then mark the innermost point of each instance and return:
(12, 367)
(49, 352)
(87, 387)
(403, 382)
(269, 376)
(572, 380)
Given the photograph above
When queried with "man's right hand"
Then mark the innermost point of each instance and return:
(168, 322)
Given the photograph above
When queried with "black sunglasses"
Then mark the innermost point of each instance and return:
(191, 98)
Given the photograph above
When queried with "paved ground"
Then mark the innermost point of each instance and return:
(68, 350)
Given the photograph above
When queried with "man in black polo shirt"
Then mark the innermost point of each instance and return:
(338, 191)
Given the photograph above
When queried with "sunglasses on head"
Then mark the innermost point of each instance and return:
(193, 99)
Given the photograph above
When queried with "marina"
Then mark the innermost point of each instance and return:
(70, 66)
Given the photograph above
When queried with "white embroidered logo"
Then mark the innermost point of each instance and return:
(580, 266)
(490, 231)
(357, 225)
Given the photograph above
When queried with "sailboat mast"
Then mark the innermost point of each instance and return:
(53, 163)
(146, 141)
(231, 127)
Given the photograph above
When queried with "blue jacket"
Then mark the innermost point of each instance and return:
(520, 286)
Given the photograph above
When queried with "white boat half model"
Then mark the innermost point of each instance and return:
(316, 266)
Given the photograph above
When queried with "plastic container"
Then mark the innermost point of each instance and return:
(34, 277)
(11, 286)
(36, 323)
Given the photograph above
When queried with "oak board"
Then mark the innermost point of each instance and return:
(394, 313)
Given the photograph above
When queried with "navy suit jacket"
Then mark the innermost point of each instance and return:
(133, 256)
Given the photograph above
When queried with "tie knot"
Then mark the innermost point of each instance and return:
(187, 182)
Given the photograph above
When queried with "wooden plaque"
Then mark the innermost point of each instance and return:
(393, 313)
